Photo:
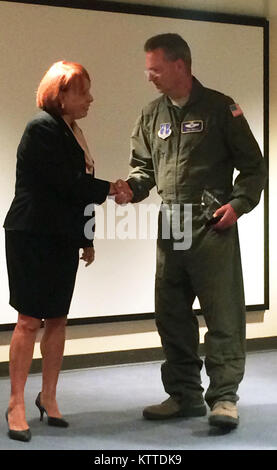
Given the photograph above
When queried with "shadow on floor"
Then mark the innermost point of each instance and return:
(107, 429)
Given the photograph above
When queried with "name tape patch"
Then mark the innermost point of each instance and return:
(188, 127)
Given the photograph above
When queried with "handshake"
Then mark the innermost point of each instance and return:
(121, 191)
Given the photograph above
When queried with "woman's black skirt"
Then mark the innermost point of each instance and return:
(42, 271)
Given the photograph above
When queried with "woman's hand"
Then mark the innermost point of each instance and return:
(88, 255)
(112, 189)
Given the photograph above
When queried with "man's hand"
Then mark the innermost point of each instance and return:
(228, 217)
(123, 194)
(88, 255)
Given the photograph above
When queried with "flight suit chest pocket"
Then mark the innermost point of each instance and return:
(192, 134)
(164, 152)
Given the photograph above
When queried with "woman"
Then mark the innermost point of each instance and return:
(44, 230)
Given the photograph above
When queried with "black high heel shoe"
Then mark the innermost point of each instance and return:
(24, 436)
(58, 422)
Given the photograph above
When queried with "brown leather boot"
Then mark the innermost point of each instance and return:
(224, 415)
(170, 408)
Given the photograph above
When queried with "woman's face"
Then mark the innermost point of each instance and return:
(76, 101)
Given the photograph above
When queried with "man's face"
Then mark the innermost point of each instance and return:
(165, 74)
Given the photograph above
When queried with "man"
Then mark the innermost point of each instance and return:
(187, 142)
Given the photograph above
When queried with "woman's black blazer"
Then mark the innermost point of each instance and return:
(52, 188)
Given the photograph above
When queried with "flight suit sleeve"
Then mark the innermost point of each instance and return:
(247, 159)
(141, 179)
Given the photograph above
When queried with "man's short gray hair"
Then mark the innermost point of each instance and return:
(173, 45)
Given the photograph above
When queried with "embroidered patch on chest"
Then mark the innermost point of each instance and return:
(165, 130)
(187, 127)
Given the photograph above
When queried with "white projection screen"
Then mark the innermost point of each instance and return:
(229, 54)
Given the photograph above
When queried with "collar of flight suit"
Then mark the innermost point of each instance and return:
(196, 94)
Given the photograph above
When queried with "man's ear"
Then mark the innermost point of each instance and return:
(180, 66)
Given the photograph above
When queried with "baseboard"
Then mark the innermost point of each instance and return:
(113, 358)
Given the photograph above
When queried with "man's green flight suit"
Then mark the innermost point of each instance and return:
(184, 151)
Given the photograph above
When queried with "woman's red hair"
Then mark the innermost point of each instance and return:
(60, 77)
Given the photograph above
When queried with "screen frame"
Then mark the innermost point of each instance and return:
(186, 14)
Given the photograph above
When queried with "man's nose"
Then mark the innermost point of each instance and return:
(149, 75)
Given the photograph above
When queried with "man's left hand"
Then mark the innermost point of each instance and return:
(228, 217)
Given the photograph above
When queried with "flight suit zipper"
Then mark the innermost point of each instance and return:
(180, 118)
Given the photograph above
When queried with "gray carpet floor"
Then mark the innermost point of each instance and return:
(104, 408)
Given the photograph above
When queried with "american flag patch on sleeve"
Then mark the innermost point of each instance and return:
(236, 110)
